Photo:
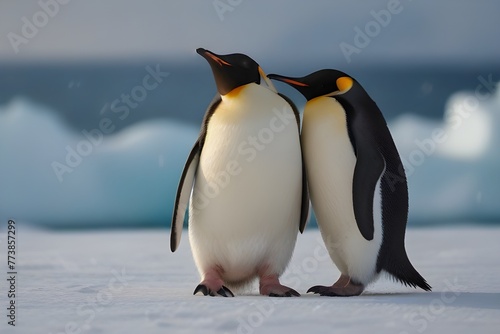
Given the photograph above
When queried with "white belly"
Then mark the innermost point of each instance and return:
(330, 163)
(245, 205)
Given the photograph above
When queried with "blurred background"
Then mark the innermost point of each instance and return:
(100, 102)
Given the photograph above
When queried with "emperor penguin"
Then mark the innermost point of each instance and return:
(352, 164)
(245, 183)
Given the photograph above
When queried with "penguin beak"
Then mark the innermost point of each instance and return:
(212, 57)
(298, 83)
(288, 80)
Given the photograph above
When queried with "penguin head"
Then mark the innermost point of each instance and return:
(232, 70)
(320, 83)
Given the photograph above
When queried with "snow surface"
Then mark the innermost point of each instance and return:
(129, 282)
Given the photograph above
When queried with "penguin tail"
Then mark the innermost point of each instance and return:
(403, 271)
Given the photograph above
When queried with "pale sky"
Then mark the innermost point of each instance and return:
(447, 31)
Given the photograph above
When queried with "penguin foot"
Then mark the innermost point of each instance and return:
(222, 291)
(270, 286)
(278, 290)
(344, 287)
(212, 284)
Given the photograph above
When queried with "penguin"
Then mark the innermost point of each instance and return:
(352, 164)
(245, 183)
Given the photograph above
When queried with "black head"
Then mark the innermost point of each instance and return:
(231, 71)
(320, 83)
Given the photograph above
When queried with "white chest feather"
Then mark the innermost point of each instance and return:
(330, 163)
(245, 204)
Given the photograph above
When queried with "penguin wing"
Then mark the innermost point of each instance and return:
(188, 177)
(304, 206)
(370, 165)
(305, 215)
(183, 194)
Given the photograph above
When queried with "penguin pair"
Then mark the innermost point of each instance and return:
(246, 186)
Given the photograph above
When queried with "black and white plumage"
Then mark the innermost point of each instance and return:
(350, 156)
(244, 183)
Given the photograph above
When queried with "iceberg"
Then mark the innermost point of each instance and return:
(57, 177)
(452, 165)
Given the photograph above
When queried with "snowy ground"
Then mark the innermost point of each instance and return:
(129, 282)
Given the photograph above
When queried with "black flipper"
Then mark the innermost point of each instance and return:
(304, 207)
(187, 179)
(305, 204)
(369, 167)
(183, 194)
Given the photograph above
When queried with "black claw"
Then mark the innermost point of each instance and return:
(225, 292)
(328, 291)
(314, 289)
(321, 290)
(222, 292)
(289, 293)
(330, 294)
(201, 288)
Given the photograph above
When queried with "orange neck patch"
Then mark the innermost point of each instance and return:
(235, 92)
(344, 83)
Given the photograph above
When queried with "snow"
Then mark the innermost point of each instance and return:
(127, 281)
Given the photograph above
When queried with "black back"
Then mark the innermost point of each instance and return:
(371, 137)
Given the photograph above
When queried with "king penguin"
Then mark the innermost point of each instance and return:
(352, 164)
(245, 183)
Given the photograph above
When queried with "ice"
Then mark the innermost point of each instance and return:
(125, 178)
(130, 177)
(452, 165)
